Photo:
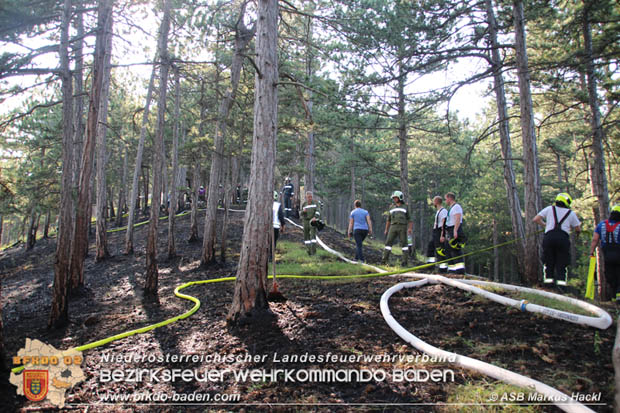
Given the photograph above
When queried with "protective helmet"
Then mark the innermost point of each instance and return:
(288, 179)
(275, 195)
(398, 195)
(615, 208)
(440, 251)
(564, 198)
(456, 243)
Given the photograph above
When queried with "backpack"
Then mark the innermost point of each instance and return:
(611, 246)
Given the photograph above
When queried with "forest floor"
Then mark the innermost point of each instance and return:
(320, 318)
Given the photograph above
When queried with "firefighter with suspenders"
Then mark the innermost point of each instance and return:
(397, 226)
(435, 251)
(558, 220)
(453, 235)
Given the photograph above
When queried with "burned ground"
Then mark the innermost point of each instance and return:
(320, 318)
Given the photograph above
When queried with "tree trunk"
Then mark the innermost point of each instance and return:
(597, 164)
(145, 185)
(226, 201)
(78, 123)
(309, 162)
(172, 208)
(135, 190)
(46, 225)
(243, 36)
(4, 373)
(102, 251)
(531, 178)
(193, 229)
(122, 198)
(59, 314)
(615, 356)
(31, 235)
(402, 138)
(495, 252)
(250, 296)
(512, 192)
(83, 212)
(152, 274)
(309, 178)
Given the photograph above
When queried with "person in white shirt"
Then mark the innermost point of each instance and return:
(453, 235)
(558, 221)
(435, 251)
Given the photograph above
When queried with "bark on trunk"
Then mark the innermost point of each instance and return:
(250, 290)
(531, 178)
(122, 198)
(226, 198)
(59, 314)
(31, 237)
(135, 189)
(495, 252)
(46, 225)
(615, 356)
(243, 36)
(597, 164)
(152, 273)
(83, 211)
(512, 192)
(172, 208)
(402, 139)
(193, 229)
(101, 237)
(78, 123)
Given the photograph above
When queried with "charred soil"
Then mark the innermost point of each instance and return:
(331, 325)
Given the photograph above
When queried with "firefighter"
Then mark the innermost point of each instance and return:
(310, 214)
(278, 218)
(558, 221)
(608, 233)
(435, 250)
(397, 226)
(453, 235)
(288, 191)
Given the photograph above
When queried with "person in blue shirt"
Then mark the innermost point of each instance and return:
(360, 226)
(608, 234)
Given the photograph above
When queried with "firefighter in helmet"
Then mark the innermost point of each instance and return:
(559, 220)
(310, 215)
(397, 226)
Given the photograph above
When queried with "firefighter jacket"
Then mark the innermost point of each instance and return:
(309, 211)
(398, 215)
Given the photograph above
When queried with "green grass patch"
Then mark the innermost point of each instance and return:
(292, 259)
(487, 397)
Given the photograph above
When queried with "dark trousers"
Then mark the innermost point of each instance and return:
(611, 256)
(359, 235)
(276, 235)
(457, 265)
(287, 206)
(431, 250)
(556, 257)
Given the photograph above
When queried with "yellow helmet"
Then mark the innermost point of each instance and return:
(564, 198)
(615, 208)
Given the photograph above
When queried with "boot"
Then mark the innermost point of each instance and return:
(386, 257)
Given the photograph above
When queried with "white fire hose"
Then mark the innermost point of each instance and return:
(563, 401)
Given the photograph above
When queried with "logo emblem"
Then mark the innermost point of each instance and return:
(35, 384)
